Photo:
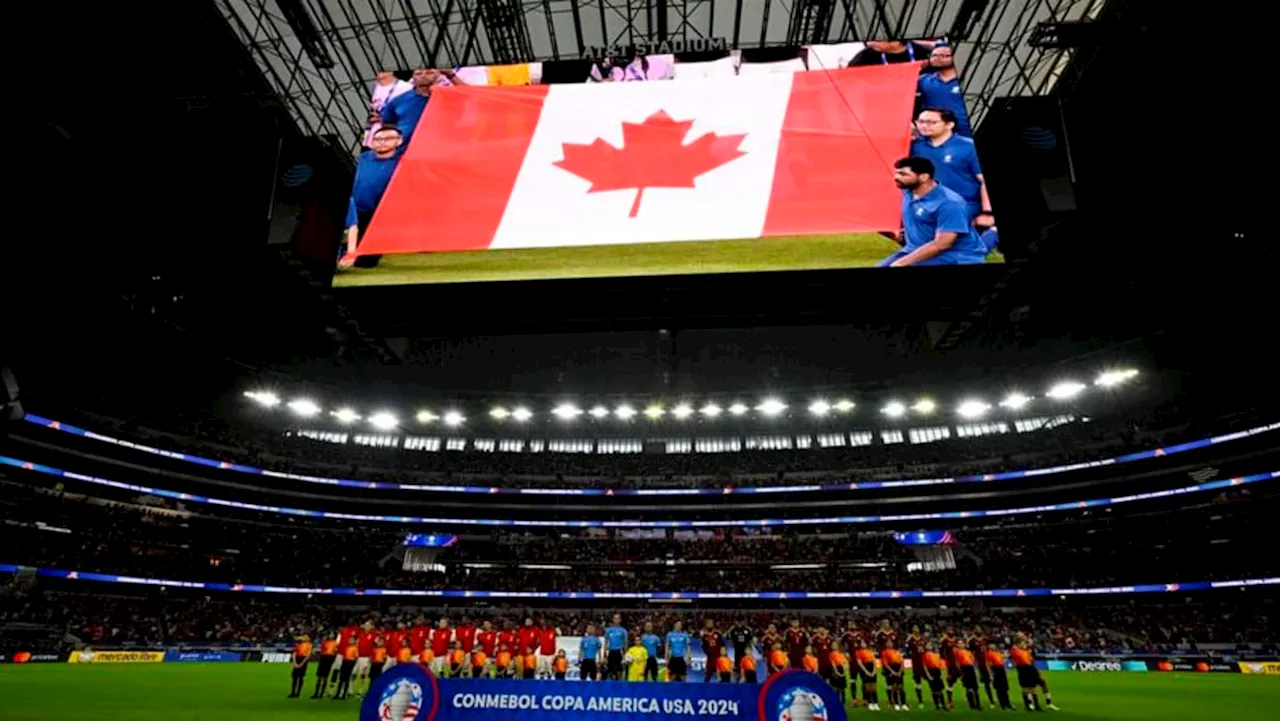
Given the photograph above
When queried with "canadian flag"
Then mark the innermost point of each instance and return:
(614, 163)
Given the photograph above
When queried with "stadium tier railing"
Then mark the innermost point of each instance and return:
(713, 491)
(740, 523)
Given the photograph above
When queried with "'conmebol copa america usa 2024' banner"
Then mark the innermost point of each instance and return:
(412, 693)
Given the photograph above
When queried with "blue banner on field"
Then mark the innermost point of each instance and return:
(412, 693)
(175, 656)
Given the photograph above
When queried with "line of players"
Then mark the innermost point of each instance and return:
(617, 653)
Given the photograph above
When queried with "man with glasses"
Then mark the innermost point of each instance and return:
(373, 173)
(955, 160)
(940, 88)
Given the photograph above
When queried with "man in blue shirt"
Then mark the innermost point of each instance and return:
(405, 110)
(941, 88)
(956, 161)
(677, 653)
(373, 174)
(935, 225)
(651, 643)
(615, 640)
(589, 655)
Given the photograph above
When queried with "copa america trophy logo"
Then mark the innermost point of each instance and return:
(401, 700)
(801, 704)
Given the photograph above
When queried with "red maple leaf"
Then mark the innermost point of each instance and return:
(653, 155)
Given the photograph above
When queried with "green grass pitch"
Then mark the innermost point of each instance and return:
(817, 252)
(256, 692)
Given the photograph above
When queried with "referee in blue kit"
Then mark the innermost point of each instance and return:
(935, 224)
(373, 174)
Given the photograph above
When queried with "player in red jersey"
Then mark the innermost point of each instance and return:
(712, 646)
(395, 639)
(528, 636)
(546, 648)
(977, 643)
(947, 649)
(466, 635)
(441, 638)
(914, 646)
(883, 636)
(822, 647)
(487, 638)
(366, 640)
(797, 640)
(508, 640)
(770, 637)
(346, 637)
(418, 636)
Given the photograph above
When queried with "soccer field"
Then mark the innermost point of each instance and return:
(860, 250)
(252, 692)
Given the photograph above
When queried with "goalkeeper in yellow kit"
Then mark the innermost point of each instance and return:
(635, 659)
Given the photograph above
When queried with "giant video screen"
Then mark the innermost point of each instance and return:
(842, 156)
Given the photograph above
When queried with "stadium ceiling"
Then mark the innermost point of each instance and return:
(320, 56)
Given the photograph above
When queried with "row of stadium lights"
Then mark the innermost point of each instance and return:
(971, 409)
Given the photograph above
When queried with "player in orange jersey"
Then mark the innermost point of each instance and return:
(840, 672)
(350, 655)
(864, 660)
(479, 662)
(724, 666)
(891, 665)
(778, 659)
(328, 652)
(1029, 677)
(749, 672)
(999, 677)
(531, 665)
(560, 665)
(809, 661)
(932, 663)
(967, 664)
(301, 657)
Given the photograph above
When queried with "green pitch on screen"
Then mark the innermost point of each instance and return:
(815, 252)
(256, 692)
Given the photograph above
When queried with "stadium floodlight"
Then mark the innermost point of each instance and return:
(738, 409)
(771, 407)
(522, 414)
(819, 408)
(654, 412)
(844, 406)
(599, 412)
(427, 417)
(972, 409)
(263, 398)
(682, 411)
(500, 413)
(624, 412)
(1114, 378)
(924, 406)
(454, 418)
(711, 410)
(346, 415)
(894, 409)
(303, 407)
(1015, 401)
(566, 411)
(1065, 390)
(383, 421)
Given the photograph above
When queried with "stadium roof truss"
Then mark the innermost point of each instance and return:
(321, 55)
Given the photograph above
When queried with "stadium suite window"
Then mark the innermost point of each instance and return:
(717, 445)
(421, 443)
(455, 444)
(862, 438)
(769, 443)
(537, 446)
(973, 430)
(376, 441)
(325, 436)
(929, 435)
(804, 441)
(509, 445)
(894, 436)
(484, 444)
(615, 445)
(831, 440)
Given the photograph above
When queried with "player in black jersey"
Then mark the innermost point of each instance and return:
(977, 643)
(914, 648)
